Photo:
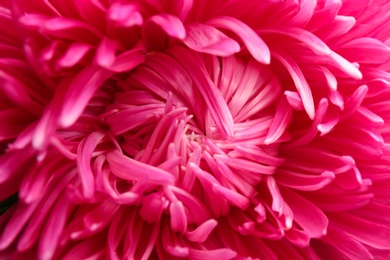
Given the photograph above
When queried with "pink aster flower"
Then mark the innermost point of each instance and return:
(147, 129)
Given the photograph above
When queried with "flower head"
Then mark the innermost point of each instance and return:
(195, 129)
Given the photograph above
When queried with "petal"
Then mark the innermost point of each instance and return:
(299, 80)
(127, 61)
(170, 24)
(74, 54)
(280, 121)
(365, 50)
(211, 94)
(231, 196)
(20, 217)
(130, 169)
(347, 245)
(157, 30)
(304, 182)
(202, 232)
(152, 207)
(80, 92)
(84, 156)
(345, 66)
(221, 254)
(311, 219)
(367, 232)
(178, 217)
(206, 39)
(53, 228)
(124, 15)
(256, 46)
(105, 54)
(306, 37)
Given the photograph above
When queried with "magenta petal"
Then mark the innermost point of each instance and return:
(80, 92)
(130, 169)
(370, 233)
(152, 207)
(299, 80)
(256, 46)
(347, 245)
(306, 214)
(170, 24)
(53, 228)
(221, 254)
(345, 66)
(201, 233)
(207, 39)
(304, 182)
(280, 121)
(306, 37)
(178, 217)
(19, 218)
(87, 249)
(74, 54)
(124, 15)
(127, 61)
(105, 54)
(212, 95)
(298, 237)
(84, 156)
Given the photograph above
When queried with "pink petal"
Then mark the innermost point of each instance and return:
(311, 219)
(53, 228)
(245, 165)
(100, 216)
(347, 245)
(365, 50)
(345, 66)
(298, 238)
(299, 80)
(257, 154)
(93, 12)
(178, 217)
(152, 207)
(232, 197)
(105, 54)
(84, 156)
(130, 169)
(277, 199)
(306, 37)
(74, 54)
(221, 254)
(202, 232)
(134, 117)
(15, 225)
(180, 8)
(70, 29)
(212, 95)
(367, 232)
(256, 46)
(17, 92)
(80, 92)
(39, 218)
(304, 182)
(124, 15)
(170, 24)
(280, 121)
(338, 202)
(206, 39)
(157, 30)
(127, 61)
(90, 248)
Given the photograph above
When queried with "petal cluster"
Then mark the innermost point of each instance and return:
(195, 129)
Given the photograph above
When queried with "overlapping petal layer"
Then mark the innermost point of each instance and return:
(195, 129)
